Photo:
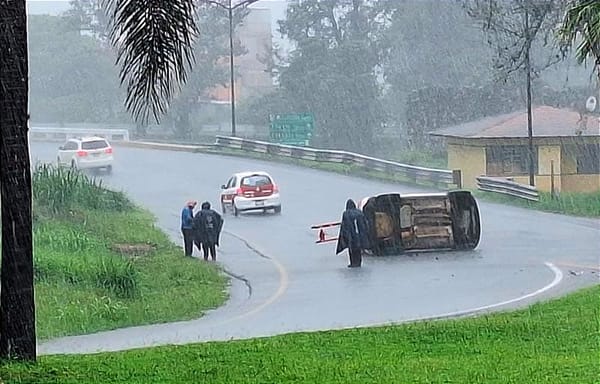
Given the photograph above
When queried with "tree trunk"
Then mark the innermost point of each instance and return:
(17, 307)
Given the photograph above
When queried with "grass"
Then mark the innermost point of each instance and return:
(421, 158)
(577, 204)
(100, 262)
(552, 342)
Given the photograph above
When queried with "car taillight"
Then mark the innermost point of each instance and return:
(108, 150)
(239, 192)
(275, 188)
(82, 153)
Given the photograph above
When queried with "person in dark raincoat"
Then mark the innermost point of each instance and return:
(354, 232)
(207, 227)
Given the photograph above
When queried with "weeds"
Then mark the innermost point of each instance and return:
(61, 190)
(579, 204)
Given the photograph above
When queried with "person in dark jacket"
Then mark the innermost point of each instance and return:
(207, 227)
(187, 217)
(353, 234)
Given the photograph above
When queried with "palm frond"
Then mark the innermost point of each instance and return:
(581, 26)
(154, 40)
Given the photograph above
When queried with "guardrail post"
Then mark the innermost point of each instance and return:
(457, 178)
(552, 192)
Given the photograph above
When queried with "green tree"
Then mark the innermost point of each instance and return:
(211, 53)
(89, 16)
(73, 78)
(334, 67)
(515, 29)
(434, 43)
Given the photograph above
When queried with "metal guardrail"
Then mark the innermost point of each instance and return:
(507, 187)
(418, 174)
(63, 134)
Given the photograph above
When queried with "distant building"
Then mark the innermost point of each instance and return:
(252, 78)
(566, 145)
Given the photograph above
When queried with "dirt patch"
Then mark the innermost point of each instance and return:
(135, 250)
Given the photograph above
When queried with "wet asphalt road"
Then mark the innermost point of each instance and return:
(289, 284)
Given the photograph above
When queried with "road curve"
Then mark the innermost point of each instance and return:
(286, 283)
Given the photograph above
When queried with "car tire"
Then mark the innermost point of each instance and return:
(109, 169)
(73, 165)
(236, 212)
(277, 209)
(223, 209)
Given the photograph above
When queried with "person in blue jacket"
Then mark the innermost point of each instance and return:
(187, 227)
(354, 234)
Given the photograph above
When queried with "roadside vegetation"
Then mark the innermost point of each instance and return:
(100, 262)
(577, 204)
(552, 342)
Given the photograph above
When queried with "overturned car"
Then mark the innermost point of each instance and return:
(417, 222)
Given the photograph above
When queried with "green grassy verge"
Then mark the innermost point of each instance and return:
(577, 204)
(100, 262)
(422, 159)
(553, 342)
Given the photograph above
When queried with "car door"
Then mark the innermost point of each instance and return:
(66, 152)
(229, 191)
(60, 154)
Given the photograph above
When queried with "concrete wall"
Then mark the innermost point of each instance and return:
(470, 160)
(549, 156)
(580, 183)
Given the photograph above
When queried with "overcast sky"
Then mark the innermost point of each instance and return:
(54, 7)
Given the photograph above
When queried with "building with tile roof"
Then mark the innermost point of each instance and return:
(566, 145)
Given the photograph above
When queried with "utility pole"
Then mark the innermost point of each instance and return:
(529, 122)
(230, 8)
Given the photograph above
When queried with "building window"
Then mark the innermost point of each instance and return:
(503, 160)
(588, 159)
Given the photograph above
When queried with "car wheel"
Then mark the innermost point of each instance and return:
(109, 169)
(277, 209)
(73, 164)
(223, 209)
(236, 212)
(58, 161)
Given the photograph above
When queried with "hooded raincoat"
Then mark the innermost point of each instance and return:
(354, 230)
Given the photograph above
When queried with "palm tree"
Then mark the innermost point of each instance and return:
(154, 44)
(17, 310)
(154, 41)
(582, 23)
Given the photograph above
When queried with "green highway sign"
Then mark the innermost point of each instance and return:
(292, 129)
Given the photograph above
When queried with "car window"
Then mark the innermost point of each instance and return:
(70, 146)
(95, 144)
(255, 181)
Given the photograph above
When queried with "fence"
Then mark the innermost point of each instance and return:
(507, 187)
(443, 177)
(63, 134)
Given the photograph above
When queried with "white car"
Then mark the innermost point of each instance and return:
(86, 153)
(250, 191)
